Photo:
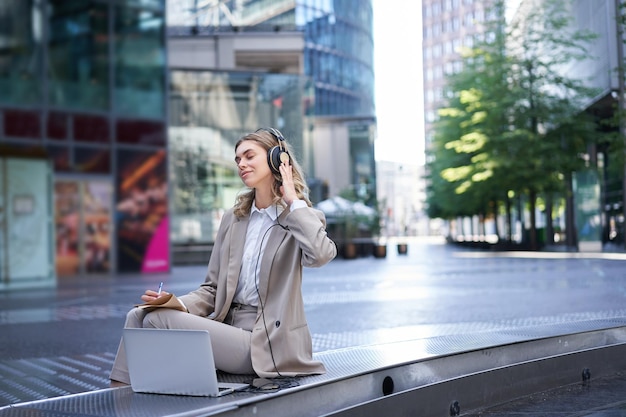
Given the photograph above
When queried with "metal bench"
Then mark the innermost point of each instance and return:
(430, 377)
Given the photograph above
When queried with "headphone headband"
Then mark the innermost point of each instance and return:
(274, 132)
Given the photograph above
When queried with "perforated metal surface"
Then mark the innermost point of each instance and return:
(40, 378)
(355, 374)
(51, 314)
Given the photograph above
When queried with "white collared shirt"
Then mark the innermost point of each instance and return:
(259, 228)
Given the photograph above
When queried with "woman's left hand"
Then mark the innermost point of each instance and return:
(288, 190)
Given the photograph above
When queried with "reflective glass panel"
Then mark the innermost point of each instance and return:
(209, 112)
(22, 123)
(92, 160)
(155, 4)
(90, 128)
(20, 52)
(60, 156)
(339, 53)
(140, 62)
(78, 54)
(57, 126)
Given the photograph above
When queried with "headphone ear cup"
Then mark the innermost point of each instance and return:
(273, 159)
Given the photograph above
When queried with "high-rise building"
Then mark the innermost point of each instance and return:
(338, 49)
(109, 117)
(336, 57)
(599, 189)
(448, 25)
(305, 67)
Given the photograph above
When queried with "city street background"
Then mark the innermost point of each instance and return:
(58, 341)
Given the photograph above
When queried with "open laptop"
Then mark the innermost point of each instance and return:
(168, 361)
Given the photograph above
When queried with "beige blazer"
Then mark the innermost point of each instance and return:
(305, 243)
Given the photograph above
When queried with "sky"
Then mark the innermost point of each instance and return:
(398, 81)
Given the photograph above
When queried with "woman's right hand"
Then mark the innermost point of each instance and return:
(151, 295)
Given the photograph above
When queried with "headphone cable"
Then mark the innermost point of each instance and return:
(256, 285)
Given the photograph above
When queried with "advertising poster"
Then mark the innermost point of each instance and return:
(96, 200)
(67, 222)
(141, 213)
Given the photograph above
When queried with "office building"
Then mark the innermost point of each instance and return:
(83, 139)
(117, 132)
(448, 25)
(305, 67)
(599, 188)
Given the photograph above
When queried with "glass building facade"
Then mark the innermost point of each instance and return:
(83, 87)
(339, 55)
(336, 83)
(209, 112)
(338, 52)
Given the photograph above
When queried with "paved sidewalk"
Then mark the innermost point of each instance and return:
(62, 340)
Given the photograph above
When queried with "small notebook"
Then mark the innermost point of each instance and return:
(173, 361)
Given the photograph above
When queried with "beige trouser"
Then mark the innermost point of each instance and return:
(230, 340)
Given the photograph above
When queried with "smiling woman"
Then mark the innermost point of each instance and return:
(255, 267)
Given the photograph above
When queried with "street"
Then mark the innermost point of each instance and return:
(57, 341)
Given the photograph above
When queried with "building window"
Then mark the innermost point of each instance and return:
(22, 124)
(455, 23)
(57, 126)
(78, 55)
(139, 62)
(20, 53)
(205, 111)
(436, 8)
(92, 160)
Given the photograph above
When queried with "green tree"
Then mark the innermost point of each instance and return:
(548, 110)
(466, 169)
(513, 115)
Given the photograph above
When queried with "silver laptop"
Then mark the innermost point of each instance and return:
(168, 361)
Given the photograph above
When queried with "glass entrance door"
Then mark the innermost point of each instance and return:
(25, 232)
(83, 226)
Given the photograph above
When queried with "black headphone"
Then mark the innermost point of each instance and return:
(276, 155)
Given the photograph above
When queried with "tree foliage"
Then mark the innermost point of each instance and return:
(512, 123)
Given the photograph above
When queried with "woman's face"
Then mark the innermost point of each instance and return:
(251, 159)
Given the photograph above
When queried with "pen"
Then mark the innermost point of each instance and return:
(160, 288)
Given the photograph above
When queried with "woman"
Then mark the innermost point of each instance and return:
(251, 300)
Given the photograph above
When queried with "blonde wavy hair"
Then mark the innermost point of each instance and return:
(267, 140)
